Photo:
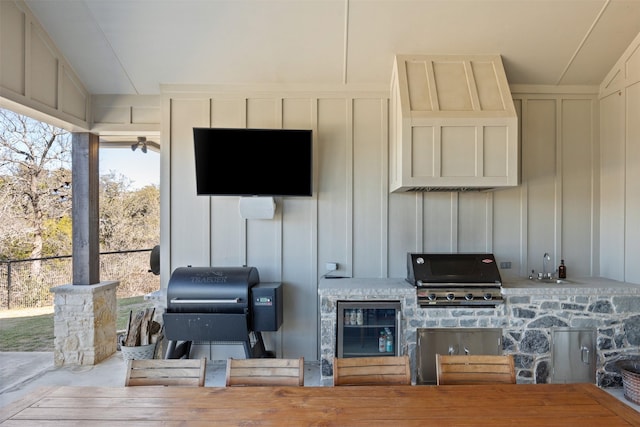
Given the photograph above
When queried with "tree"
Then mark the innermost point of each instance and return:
(35, 196)
(35, 212)
(128, 219)
(35, 171)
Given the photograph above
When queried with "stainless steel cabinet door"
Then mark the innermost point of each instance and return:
(573, 355)
(452, 341)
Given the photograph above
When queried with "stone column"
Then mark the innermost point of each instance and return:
(84, 323)
(85, 311)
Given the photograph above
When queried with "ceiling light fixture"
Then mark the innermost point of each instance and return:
(142, 143)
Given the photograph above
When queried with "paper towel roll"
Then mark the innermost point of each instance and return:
(257, 207)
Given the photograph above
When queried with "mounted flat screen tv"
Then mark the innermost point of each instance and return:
(253, 162)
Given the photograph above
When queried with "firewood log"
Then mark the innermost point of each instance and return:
(133, 334)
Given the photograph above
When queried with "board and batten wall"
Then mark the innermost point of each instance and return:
(620, 168)
(352, 219)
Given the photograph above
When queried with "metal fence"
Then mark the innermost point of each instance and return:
(27, 283)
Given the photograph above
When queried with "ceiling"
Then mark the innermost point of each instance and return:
(134, 46)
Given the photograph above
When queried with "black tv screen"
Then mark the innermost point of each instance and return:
(253, 162)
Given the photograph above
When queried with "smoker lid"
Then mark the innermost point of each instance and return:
(211, 289)
(453, 268)
(231, 276)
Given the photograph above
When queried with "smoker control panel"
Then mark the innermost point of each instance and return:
(263, 301)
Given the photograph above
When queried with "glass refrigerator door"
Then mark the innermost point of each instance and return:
(368, 328)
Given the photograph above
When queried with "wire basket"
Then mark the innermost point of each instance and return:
(630, 371)
(138, 352)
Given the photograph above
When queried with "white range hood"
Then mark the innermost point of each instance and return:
(453, 126)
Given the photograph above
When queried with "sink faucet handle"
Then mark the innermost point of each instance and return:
(546, 257)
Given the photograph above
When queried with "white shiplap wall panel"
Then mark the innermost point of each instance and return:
(44, 63)
(539, 173)
(190, 221)
(619, 195)
(264, 245)
(578, 204)
(333, 161)
(632, 182)
(612, 183)
(35, 78)
(297, 337)
(369, 197)
(227, 232)
(75, 101)
(509, 238)
(264, 113)
(509, 217)
(12, 66)
(229, 113)
(440, 218)
(474, 222)
(405, 230)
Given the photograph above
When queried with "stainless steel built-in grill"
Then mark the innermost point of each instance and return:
(455, 280)
(220, 304)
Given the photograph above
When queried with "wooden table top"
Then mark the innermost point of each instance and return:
(522, 405)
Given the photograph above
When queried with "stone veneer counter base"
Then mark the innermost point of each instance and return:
(529, 314)
(333, 290)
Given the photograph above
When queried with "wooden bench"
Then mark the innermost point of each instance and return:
(265, 372)
(378, 370)
(474, 369)
(166, 372)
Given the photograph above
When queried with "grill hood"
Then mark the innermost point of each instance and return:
(453, 125)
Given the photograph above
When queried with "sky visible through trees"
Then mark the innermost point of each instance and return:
(141, 169)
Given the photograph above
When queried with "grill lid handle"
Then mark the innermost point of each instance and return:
(205, 301)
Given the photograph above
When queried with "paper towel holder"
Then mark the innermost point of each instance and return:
(257, 207)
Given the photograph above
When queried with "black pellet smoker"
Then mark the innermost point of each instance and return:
(220, 304)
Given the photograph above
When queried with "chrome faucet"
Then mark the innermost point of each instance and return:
(545, 258)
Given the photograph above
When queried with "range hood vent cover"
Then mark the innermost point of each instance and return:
(453, 125)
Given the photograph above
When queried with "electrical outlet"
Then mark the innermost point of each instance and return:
(505, 265)
(332, 266)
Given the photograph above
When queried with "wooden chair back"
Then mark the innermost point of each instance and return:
(378, 370)
(265, 372)
(474, 369)
(166, 372)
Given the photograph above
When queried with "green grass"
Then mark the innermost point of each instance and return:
(35, 333)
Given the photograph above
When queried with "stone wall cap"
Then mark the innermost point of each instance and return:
(98, 287)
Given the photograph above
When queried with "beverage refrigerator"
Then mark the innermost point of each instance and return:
(368, 328)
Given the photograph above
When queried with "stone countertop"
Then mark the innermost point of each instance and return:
(570, 286)
(510, 286)
(364, 286)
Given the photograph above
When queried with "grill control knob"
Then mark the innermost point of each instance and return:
(450, 297)
(468, 297)
(488, 297)
(431, 297)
